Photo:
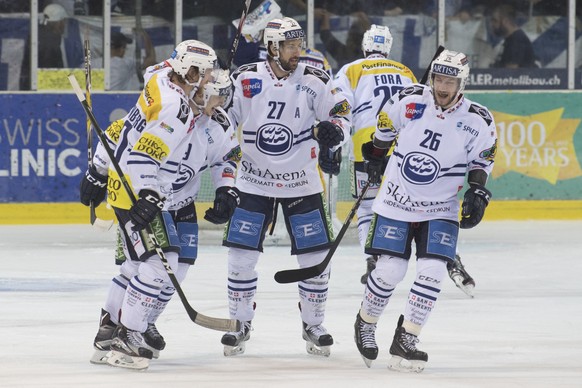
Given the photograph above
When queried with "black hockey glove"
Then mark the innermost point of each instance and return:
(225, 202)
(147, 207)
(327, 134)
(474, 204)
(330, 161)
(375, 161)
(93, 187)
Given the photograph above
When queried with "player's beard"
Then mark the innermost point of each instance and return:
(444, 99)
(290, 64)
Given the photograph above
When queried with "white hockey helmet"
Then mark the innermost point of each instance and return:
(193, 53)
(451, 64)
(219, 85)
(53, 13)
(280, 30)
(377, 39)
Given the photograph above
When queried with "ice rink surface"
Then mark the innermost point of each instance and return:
(522, 329)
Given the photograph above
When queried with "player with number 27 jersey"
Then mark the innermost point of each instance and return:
(279, 153)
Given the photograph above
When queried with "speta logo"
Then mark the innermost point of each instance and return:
(445, 70)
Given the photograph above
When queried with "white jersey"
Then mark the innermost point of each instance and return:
(152, 142)
(279, 154)
(214, 144)
(368, 83)
(433, 153)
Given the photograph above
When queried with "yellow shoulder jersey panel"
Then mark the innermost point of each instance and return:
(150, 100)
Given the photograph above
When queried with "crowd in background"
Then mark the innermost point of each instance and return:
(503, 20)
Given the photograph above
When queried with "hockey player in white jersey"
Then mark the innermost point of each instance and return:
(441, 137)
(185, 132)
(368, 83)
(275, 105)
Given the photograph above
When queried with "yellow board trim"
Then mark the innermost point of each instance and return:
(73, 213)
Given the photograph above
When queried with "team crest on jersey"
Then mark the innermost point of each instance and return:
(341, 108)
(419, 168)
(274, 139)
(249, 67)
(184, 112)
(409, 91)
(320, 74)
(489, 153)
(251, 87)
(221, 118)
(483, 112)
(414, 110)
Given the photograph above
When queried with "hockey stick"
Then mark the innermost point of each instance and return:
(237, 34)
(438, 52)
(295, 275)
(138, 32)
(97, 222)
(196, 317)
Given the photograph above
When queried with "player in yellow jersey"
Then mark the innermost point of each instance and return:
(368, 83)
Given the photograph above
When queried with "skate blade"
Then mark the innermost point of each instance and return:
(400, 364)
(99, 357)
(315, 350)
(367, 361)
(122, 360)
(230, 351)
(466, 288)
(155, 352)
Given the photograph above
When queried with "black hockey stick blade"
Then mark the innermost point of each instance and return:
(438, 52)
(219, 324)
(237, 34)
(296, 275)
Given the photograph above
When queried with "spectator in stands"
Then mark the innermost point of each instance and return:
(124, 72)
(517, 48)
(7, 6)
(50, 35)
(351, 50)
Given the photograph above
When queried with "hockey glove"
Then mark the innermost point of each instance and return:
(147, 207)
(327, 134)
(225, 202)
(375, 161)
(93, 187)
(330, 161)
(474, 204)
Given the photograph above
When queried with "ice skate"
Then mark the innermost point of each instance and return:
(405, 356)
(103, 339)
(370, 266)
(235, 341)
(365, 337)
(318, 341)
(154, 340)
(460, 276)
(129, 350)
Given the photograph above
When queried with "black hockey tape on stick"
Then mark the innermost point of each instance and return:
(296, 275)
(237, 34)
(438, 52)
(219, 324)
